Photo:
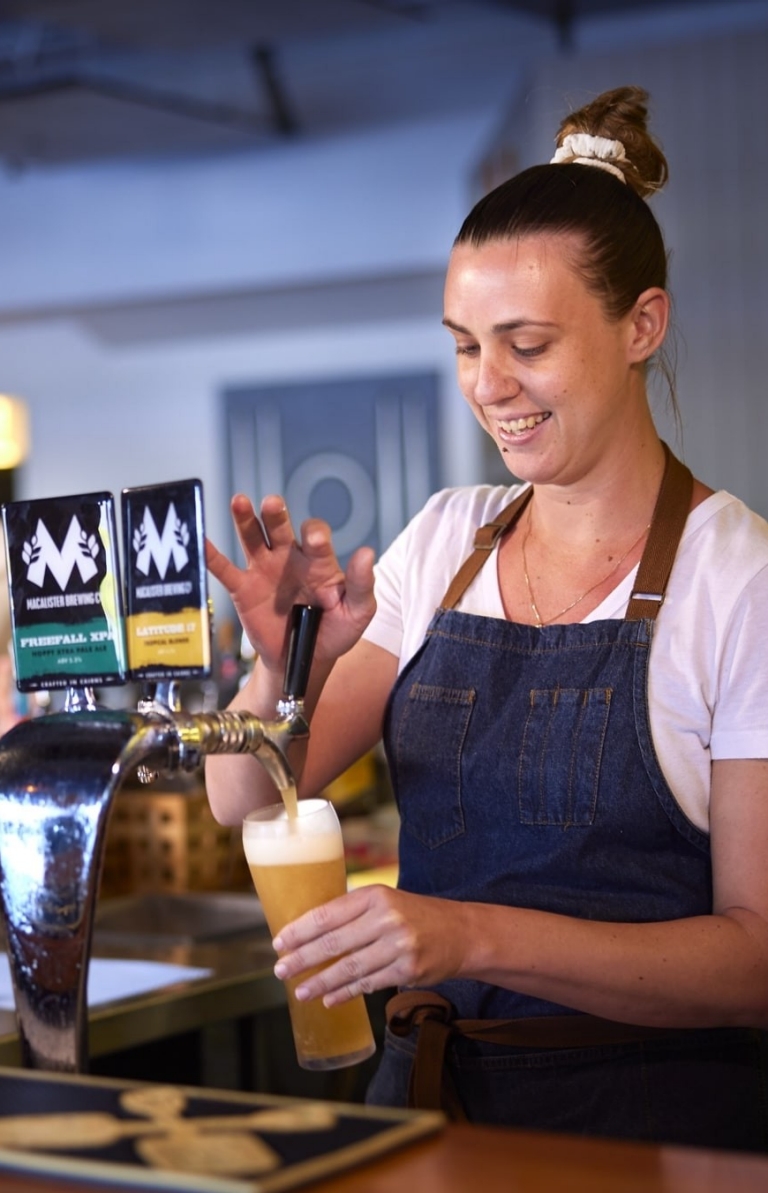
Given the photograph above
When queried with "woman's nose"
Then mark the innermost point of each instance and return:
(494, 381)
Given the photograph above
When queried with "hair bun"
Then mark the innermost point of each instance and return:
(622, 115)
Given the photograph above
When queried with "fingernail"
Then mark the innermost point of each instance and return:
(277, 944)
(302, 993)
(280, 970)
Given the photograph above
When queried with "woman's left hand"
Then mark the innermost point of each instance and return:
(374, 937)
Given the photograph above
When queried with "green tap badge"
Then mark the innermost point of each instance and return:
(66, 600)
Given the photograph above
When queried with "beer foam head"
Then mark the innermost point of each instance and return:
(270, 838)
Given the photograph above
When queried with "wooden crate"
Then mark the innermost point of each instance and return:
(159, 840)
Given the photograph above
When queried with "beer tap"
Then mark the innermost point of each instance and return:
(59, 772)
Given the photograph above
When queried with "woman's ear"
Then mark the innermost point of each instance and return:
(649, 320)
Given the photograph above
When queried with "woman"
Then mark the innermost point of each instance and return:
(578, 740)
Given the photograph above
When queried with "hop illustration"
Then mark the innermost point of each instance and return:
(30, 552)
(89, 545)
(139, 538)
(181, 531)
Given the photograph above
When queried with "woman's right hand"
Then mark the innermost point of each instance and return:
(280, 572)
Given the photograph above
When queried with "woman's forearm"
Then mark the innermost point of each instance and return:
(700, 972)
(707, 971)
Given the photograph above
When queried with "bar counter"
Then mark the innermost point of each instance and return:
(457, 1159)
(241, 983)
(462, 1158)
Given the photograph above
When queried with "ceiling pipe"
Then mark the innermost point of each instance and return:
(283, 118)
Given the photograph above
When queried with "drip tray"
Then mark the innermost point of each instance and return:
(177, 919)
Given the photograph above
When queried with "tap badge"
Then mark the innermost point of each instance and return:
(66, 608)
(167, 622)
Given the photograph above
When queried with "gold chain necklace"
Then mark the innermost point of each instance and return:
(540, 622)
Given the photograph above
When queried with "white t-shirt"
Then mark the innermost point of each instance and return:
(708, 670)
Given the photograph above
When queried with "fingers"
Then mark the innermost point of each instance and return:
(373, 968)
(277, 522)
(316, 542)
(361, 942)
(327, 918)
(221, 567)
(249, 529)
(360, 579)
(361, 971)
(274, 529)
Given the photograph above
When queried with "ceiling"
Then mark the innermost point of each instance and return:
(85, 80)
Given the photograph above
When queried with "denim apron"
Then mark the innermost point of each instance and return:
(525, 774)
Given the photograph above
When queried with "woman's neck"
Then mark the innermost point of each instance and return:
(606, 505)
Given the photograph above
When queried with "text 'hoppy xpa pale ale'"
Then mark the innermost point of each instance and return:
(297, 864)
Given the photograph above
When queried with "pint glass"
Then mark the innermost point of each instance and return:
(297, 864)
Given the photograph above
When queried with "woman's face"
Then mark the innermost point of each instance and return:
(548, 376)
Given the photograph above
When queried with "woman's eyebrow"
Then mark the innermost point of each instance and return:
(511, 325)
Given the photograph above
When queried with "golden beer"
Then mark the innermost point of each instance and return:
(297, 864)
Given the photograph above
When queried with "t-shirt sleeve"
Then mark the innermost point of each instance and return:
(740, 719)
(386, 627)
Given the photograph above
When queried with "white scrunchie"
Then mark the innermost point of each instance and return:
(586, 150)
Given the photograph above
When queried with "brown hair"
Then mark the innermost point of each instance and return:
(622, 248)
(622, 115)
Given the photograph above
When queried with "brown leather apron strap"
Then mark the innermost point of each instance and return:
(667, 525)
(486, 538)
(431, 1087)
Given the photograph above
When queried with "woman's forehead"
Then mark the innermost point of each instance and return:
(536, 269)
(556, 250)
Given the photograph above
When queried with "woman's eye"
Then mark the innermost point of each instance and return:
(530, 352)
(466, 349)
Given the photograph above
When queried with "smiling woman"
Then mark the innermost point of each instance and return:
(553, 380)
(571, 677)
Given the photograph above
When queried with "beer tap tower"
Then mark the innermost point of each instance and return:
(60, 772)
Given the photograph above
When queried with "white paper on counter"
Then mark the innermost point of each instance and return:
(113, 978)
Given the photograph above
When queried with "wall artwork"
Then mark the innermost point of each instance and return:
(362, 453)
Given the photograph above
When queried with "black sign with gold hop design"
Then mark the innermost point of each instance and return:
(101, 1129)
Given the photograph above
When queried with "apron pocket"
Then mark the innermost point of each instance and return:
(427, 761)
(559, 766)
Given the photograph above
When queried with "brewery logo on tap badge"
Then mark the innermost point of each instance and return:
(167, 618)
(66, 601)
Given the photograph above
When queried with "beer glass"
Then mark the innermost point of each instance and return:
(296, 864)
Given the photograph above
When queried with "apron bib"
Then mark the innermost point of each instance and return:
(523, 766)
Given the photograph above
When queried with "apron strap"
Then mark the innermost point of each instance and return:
(486, 538)
(431, 1086)
(667, 525)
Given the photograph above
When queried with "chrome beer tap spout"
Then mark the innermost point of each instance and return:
(59, 774)
(242, 733)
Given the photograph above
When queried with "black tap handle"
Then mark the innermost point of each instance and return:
(305, 620)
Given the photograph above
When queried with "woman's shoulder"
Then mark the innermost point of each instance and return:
(441, 535)
(414, 572)
(722, 562)
(723, 527)
(463, 508)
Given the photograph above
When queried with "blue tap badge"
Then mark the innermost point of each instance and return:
(66, 599)
(167, 619)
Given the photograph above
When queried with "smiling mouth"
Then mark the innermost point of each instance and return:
(516, 426)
